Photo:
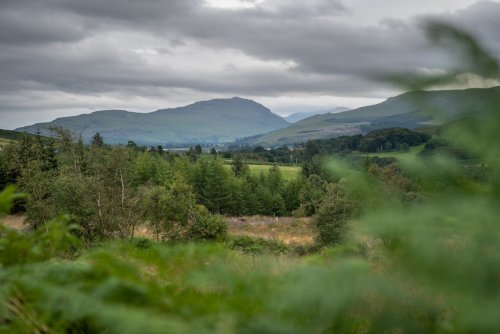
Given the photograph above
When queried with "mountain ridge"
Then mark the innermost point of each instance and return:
(409, 110)
(298, 116)
(211, 121)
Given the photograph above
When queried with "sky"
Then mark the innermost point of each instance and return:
(67, 57)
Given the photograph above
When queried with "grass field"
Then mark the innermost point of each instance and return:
(288, 172)
(4, 142)
(8, 137)
(289, 230)
(411, 153)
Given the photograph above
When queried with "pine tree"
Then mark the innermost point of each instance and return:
(97, 140)
(239, 167)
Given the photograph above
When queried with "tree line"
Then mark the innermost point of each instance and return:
(108, 190)
(382, 140)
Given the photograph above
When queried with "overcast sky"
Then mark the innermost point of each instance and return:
(67, 57)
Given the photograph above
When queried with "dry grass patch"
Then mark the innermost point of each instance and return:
(289, 230)
(13, 221)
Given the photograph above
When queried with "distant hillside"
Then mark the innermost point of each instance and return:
(9, 136)
(214, 121)
(298, 116)
(409, 110)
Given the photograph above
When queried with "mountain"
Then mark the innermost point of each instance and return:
(214, 121)
(298, 116)
(408, 110)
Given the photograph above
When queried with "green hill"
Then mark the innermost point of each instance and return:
(409, 110)
(214, 121)
(9, 136)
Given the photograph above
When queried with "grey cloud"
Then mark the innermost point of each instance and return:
(293, 9)
(18, 27)
(100, 74)
(482, 19)
(48, 21)
(338, 46)
(130, 10)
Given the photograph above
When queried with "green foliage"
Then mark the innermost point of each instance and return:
(150, 168)
(442, 147)
(7, 196)
(30, 163)
(393, 138)
(239, 167)
(54, 239)
(311, 148)
(252, 245)
(108, 190)
(174, 215)
(207, 226)
(347, 249)
(14, 136)
(311, 194)
(316, 166)
(333, 214)
(382, 140)
(17, 248)
(250, 193)
(282, 154)
(168, 209)
(97, 140)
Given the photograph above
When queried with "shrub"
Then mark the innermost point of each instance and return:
(55, 239)
(141, 243)
(207, 226)
(252, 245)
(199, 225)
(333, 215)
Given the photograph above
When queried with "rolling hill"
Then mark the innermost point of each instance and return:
(214, 121)
(8, 137)
(409, 110)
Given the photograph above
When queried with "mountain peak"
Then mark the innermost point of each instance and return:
(212, 121)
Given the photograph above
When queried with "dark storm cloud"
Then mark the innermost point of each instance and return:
(115, 46)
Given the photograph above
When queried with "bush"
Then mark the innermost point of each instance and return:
(333, 215)
(200, 225)
(141, 242)
(207, 226)
(55, 239)
(252, 245)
